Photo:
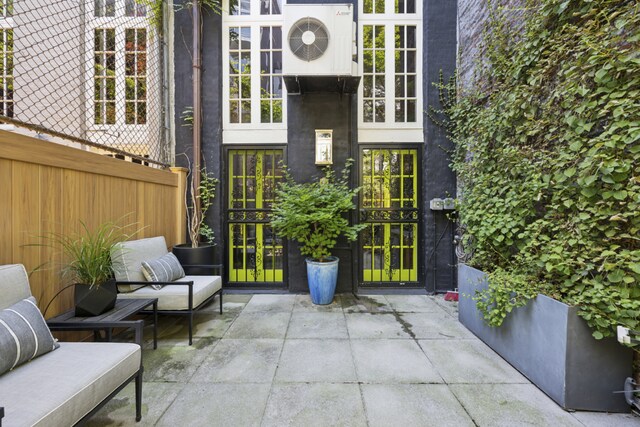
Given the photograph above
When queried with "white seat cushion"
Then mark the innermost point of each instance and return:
(61, 387)
(176, 297)
(127, 257)
(14, 284)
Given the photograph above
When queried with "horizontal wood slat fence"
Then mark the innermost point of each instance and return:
(47, 187)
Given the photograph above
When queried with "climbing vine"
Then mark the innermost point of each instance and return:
(548, 159)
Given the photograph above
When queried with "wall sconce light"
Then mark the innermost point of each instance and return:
(324, 146)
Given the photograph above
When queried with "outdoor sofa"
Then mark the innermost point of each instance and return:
(64, 383)
(177, 293)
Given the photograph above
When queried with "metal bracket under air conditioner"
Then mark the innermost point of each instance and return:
(297, 85)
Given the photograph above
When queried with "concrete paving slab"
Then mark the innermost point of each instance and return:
(378, 325)
(365, 304)
(451, 307)
(259, 325)
(271, 303)
(303, 303)
(469, 362)
(392, 361)
(413, 304)
(510, 405)
(435, 326)
(317, 325)
(235, 303)
(311, 360)
(210, 405)
(175, 363)
(413, 405)
(311, 405)
(238, 360)
(603, 419)
(121, 410)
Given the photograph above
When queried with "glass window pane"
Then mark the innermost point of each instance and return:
(411, 86)
(276, 37)
(277, 62)
(367, 111)
(380, 111)
(367, 61)
(411, 111)
(234, 37)
(246, 112)
(399, 61)
(367, 6)
(411, 36)
(277, 111)
(367, 86)
(400, 111)
(400, 86)
(380, 61)
(265, 111)
(234, 112)
(234, 87)
(265, 37)
(411, 61)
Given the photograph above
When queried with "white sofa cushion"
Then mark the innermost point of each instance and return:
(127, 257)
(14, 283)
(61, 387)
(176, 297)
(24, 334)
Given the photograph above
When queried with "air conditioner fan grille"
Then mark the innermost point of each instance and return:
(308, 39)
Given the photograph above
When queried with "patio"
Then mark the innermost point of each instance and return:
(274, 360)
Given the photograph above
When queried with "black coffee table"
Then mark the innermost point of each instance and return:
(114, 318)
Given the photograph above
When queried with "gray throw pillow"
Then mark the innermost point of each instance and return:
(167, 268)
(24, 334)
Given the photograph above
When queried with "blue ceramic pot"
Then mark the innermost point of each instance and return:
(322, 277)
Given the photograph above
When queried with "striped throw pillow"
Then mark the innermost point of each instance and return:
(24, 334)
(167, 268)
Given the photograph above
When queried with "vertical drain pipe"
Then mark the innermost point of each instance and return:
(197, 108)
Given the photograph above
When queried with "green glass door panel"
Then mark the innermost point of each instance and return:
(389, 207)
(255, 252)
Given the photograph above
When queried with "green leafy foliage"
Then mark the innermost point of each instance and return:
(548, 154)
(87, 254)
(313, 213)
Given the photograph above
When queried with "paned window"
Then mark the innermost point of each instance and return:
(270, 7)
(373, 58)
(390, 63)
(253, 88)
(240, 75)
(104, 8)
(405, 73)
(122, 70)
(271, 74)
(373, 6)
(135, 76)
(105, 76)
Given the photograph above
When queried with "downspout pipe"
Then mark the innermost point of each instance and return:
(197, 105)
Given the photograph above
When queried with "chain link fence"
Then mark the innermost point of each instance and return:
(88, 72)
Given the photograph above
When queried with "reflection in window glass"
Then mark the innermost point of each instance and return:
(135, 76)
(270, 74)
(104, 76)
(104, 8)
(240, 74)
(373, 55)
(239, 7)
(405, 73)
(270, 7)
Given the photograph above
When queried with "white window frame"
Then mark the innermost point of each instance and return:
(255, 131)
(390, 130)
(120, 23)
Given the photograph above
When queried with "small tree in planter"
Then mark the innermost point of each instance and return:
(313, 215)
(200, 249)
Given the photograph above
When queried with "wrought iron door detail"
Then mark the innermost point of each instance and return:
(389, 208)
(255, 252)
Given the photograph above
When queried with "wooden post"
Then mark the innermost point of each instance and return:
(180, 233)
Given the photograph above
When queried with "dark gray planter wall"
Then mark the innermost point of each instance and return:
(552, 346)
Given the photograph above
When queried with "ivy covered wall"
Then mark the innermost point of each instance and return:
(547, 130)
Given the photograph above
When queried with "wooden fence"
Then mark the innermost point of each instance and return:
(47, 187)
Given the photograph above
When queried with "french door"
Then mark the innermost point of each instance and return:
(255, 256)
(389, 206)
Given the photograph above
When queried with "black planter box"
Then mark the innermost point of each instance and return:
(93, 301)
(553, 347)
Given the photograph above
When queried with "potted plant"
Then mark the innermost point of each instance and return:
(200, 250)
(313, 215)
(88, 265)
